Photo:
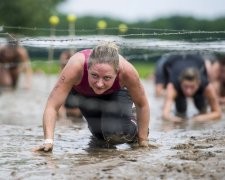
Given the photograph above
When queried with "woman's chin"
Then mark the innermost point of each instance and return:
(99, 91)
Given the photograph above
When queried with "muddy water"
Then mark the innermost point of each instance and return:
(186, 151)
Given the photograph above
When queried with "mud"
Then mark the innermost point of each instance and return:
(186, 151)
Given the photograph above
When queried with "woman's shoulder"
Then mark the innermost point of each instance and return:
(127, 72)
(73, 70)
(77, 58)
(75, 64)
(126, 68)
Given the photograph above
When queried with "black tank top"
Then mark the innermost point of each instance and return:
(176, 64)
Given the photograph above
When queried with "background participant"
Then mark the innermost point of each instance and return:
(14, 59)
(187, 77)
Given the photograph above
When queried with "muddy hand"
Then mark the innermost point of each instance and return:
(45, 148)
(143, 143)
(146, 143)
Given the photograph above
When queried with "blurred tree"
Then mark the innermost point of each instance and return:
(176, 24)
(26, 13)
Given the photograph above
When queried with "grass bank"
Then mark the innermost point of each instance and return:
(144, 69)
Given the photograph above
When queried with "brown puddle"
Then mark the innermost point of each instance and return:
(186, 151)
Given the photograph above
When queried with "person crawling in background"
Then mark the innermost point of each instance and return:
(215, 66)
(187, 77)
(161, 77)
(219, 82)
(14, 59)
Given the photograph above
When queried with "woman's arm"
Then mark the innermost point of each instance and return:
(71, 75)
(159, 90)
(130, 79)
(169, 100)
(215, 113)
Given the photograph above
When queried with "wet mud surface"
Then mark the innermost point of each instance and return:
(186, 151)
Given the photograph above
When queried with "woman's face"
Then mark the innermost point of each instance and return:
(189, 88)
(101, 77)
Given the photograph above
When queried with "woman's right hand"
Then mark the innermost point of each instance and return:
(45, 148)
(176, 119)
(145, 143)
(172, 118)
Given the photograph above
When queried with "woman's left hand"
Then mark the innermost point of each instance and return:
(143, 143)
(45, 148)
(146, 143)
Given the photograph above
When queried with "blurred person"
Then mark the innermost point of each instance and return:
(187, 78)
(161, 75)
(219, 82)
(69, 108)
(216, 71)
(14, 59)
(212, 66)
(105, 86)
(64, 58)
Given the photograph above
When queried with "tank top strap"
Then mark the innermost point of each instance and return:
(86, 53)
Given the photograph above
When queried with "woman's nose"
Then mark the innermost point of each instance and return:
(100, 83)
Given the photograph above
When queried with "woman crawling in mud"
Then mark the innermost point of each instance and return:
(14, 59)
(187, 78)
(104, 86)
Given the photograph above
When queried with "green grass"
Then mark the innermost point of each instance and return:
(45, 66)
(144, 69)
(52, 67)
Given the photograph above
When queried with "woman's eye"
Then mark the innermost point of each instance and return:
(107, 78)
(94, 75)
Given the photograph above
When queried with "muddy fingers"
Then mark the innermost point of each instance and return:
(44, 148)
(143, 143)
(146, 143)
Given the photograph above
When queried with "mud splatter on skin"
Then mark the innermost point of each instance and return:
(63, 78)
(53, 91)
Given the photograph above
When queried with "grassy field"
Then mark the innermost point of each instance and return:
(144, 69)
(45, 66)
(52, 67)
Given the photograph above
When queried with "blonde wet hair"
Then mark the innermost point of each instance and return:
(190, 74)
(105, 53)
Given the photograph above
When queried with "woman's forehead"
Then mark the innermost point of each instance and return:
(102, 67)
(189, 82)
